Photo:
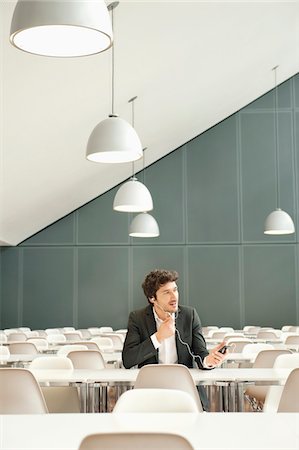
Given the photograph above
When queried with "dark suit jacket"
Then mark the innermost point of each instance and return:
(138, 347)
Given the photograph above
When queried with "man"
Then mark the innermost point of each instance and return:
(164, 332)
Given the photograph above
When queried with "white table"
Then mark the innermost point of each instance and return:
(206, 431)
(232, 378)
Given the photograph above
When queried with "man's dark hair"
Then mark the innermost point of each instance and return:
(155, 279)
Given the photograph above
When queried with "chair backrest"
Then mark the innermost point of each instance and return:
(20, 393)
(23, 348)
(90, 345)
(73, 336)
(249, 349)
(51, 362)
(287, 361)
(104, 343)
(67, 329)
(289, 400)
(265, 359)
(40, 343)
(4, 353)
(217, 334)
(105, 329)
(155, 400)
(56, 338)
(292, 339)
(3, 337)
(238, 344)
(267, 335)
(135, 441)
(168, 376)
(52, 331)
(117, 339)
(20, 337)
(87, 359)
(65, 349)
(86, 334)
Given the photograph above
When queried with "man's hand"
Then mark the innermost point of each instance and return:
(166, 329)
(215, 358)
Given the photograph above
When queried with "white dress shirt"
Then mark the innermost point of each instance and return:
(167, 348)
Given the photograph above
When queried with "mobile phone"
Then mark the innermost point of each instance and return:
(223, 349)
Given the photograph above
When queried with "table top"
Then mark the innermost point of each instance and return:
(205, 431)
(271, 376)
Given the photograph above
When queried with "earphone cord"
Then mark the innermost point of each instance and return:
(188, 347)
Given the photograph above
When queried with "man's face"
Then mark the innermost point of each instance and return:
(167, 297)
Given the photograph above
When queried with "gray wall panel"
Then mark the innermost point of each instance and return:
(103, 287)
(48, 287)
(212, 193)
(270, 285)
(99, 224)
(10, 288)
(259, 175)
(214, 286)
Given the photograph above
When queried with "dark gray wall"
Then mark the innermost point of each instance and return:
(211, 197)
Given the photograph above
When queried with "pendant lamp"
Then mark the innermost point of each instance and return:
(61, 28)
(133, 196)
(113, 140)
(278, 222)
(144, 225)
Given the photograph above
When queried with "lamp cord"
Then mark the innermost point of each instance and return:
(112, 64)
(133, 125)
(276, 138)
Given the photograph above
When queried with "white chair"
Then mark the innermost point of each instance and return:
(294, 339)
(40, 343)
(3, 338)
(23, 348)
(117, 339)
(8, 331)
(135, 441)
(267, 335)
(238, 344)
(273, 396)
(4, 353)
(254, 349)
(88, 359)
(65, 349)
(104, 343)
(68, 329)
(85, 333)
(105, 329)
(56, 338)
(59, 399)
(94, 331)
(52, 331)
(155, 400)
(25, 329)
(289, 400)
(167, 376)
(19, 336)
(20, 393)
(265, 359)
(90, 345)
(51, 362)
(73, 336)
(31, 334)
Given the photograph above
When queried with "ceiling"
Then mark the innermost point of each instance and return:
(191, 64)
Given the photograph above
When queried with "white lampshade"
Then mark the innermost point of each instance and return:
(61, 28)
(279, 222)
(144, 225)
(114, 141)
(133, 196)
